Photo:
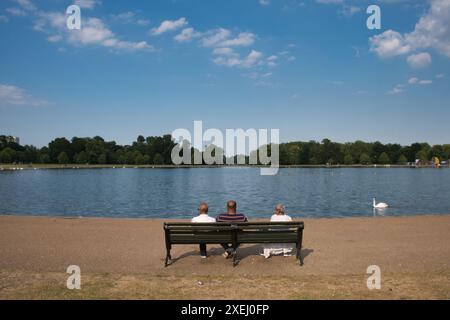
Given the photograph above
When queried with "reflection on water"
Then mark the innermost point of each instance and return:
(175, 193)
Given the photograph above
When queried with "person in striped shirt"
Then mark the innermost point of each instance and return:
(230, 216)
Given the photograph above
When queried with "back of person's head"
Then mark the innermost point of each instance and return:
(279, 210)
(231, 206)
(203, 208)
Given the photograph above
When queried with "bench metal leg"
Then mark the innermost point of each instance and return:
(299, 246)
(168, 258)
(299, 256)
(234, 257)
(168, 246)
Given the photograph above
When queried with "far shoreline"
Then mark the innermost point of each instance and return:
(256, 219)
(15, 167)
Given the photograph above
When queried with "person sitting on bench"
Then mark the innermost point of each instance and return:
(230, 216)
(278, 248)
(203, 218)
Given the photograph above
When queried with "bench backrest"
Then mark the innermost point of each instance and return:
(216, 233)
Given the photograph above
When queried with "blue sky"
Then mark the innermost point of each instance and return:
(310, 68)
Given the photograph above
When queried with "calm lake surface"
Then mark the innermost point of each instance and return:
(176, 193)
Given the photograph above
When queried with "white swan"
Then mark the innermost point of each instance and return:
(380, 205)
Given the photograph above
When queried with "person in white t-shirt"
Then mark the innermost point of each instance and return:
(203, 218)
(278, 248)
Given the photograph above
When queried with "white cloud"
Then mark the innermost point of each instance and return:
(215, 37)
(417, 81)
(252, 59)
(286, 55)
(222, 38)
(430, 32)
(271, 61)
(419, 60)
(186, 35)
(397, 89)
(143, 22)
(17, 12)
(330, 1)
(93, 32)
(124, 16)
(260, 78)
(12, 95)
(130, 17)
(168, 25)
(388, 44)
(425, 82)
(413, 80)
(224, 51)
(264, 2)
(347, 9)
(50, 21)
(224, 47)
(27, 5)
(54, 38)
(350, 10)
(86, 4)
(243, 39)
(230, 58)
(258, 75)
(440, 76)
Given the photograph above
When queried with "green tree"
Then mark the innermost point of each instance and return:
(102, 159)
(63, 158)
(365, 159)
(140, 139)
(7, 155)
(446, 152)
(78, 145)
(158, 159)
(122, 158)
(94, 149)
(44, 158)
(422, 155)
(384, 158)
(81, 158)
(402, 160)
(57, 146)
(139, 159)
(348, 159)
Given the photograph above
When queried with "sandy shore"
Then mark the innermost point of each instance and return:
(412, 252)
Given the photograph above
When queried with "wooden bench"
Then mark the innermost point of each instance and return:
(234, 234)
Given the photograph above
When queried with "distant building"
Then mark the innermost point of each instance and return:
(11, 139)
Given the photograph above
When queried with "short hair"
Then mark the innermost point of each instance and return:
(279, 208)
(203, 207)
(231, 204)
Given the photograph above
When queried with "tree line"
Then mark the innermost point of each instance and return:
(359, 152)
(157, 150)
(150, 150)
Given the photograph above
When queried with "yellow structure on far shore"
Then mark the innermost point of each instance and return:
(437, 162)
